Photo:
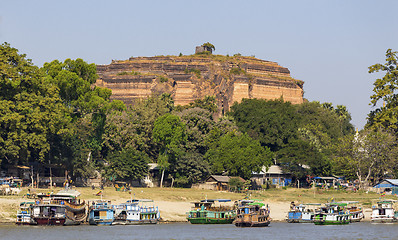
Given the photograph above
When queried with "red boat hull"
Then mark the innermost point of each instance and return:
(50, 221)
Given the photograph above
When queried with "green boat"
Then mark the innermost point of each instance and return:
(331, 214)
(208, 212)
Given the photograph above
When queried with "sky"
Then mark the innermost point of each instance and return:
(327, 44)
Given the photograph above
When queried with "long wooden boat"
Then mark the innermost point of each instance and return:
(331, 214)
(207, 212)
(383, 212)
(101, 213)
(302, 213)
(351, 207)
(48, 214)
(76, 213)
(62, 208)
(252, 214)
(136, 212)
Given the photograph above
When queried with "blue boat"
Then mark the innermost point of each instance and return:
(303, 213)
(101, 213)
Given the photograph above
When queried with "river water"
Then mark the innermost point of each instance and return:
(276, 230)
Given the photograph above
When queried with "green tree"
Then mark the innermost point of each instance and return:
(198, 124)
(128, 164)
(368, 154)
(88, 105)
(189, 168)
(235, 184)
(31, 113)
(301, 158)
(273, 123)
(210, 47)
(169, 133)
(385, 90)
(239, 155)
(134, 127)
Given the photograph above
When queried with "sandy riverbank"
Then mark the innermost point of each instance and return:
(174, 203)
(170, 211)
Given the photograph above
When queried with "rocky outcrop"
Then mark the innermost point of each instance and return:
(186, 78)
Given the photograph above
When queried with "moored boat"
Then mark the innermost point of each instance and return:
(48, 214)
(331, 214)
(252, 214)
(302, 213)
(101, 213)
(351, 207)
(62, 208)
(208, 212)
(383, 212)
(135, 212)
(24, 214)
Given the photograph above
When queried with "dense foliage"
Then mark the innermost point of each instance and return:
(54, 116)
(300, 135)
(386, 115)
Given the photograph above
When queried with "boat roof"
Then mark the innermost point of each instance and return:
(387, 201)
(145, 200)
(69, 192)
(49, 205)
(256, 204)
(310, 204)
(61, 194)
(213, 200)
(216, 200)
(246, 201)
(345, 203)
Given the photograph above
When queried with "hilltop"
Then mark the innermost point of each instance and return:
(187, 78)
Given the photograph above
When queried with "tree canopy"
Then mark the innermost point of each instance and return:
(31, 114)
(238, 155)
(385, 88)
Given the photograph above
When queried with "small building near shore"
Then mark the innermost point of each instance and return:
(274, 174)
(216, 182)
(387, 185)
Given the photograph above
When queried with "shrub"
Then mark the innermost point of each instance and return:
(236, 71)
(163, 79)
(235, 184)
(193, 70)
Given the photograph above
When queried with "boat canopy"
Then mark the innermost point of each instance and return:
(215, 200)
(345, 203)
(256, 204)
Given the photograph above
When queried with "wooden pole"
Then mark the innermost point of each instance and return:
(51, 179)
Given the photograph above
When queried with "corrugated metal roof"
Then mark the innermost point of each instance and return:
(274, 169)
(387, 183)
(393, 181)
(220, 178)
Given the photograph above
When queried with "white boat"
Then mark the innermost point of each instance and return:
(23, 214)
(135, 212)
(383, 212)
(352, 208)
(331, 214)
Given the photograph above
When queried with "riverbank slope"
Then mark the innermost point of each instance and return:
(173, 203)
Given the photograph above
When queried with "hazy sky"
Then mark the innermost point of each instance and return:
(328, 44)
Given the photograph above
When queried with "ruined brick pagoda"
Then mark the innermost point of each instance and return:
(186, 78)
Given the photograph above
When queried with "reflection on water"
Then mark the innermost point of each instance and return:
(187, 231)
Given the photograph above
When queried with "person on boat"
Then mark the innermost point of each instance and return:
(292, 206)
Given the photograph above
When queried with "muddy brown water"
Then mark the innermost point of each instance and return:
(277, 230)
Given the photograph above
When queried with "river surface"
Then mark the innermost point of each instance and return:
(276, 230)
